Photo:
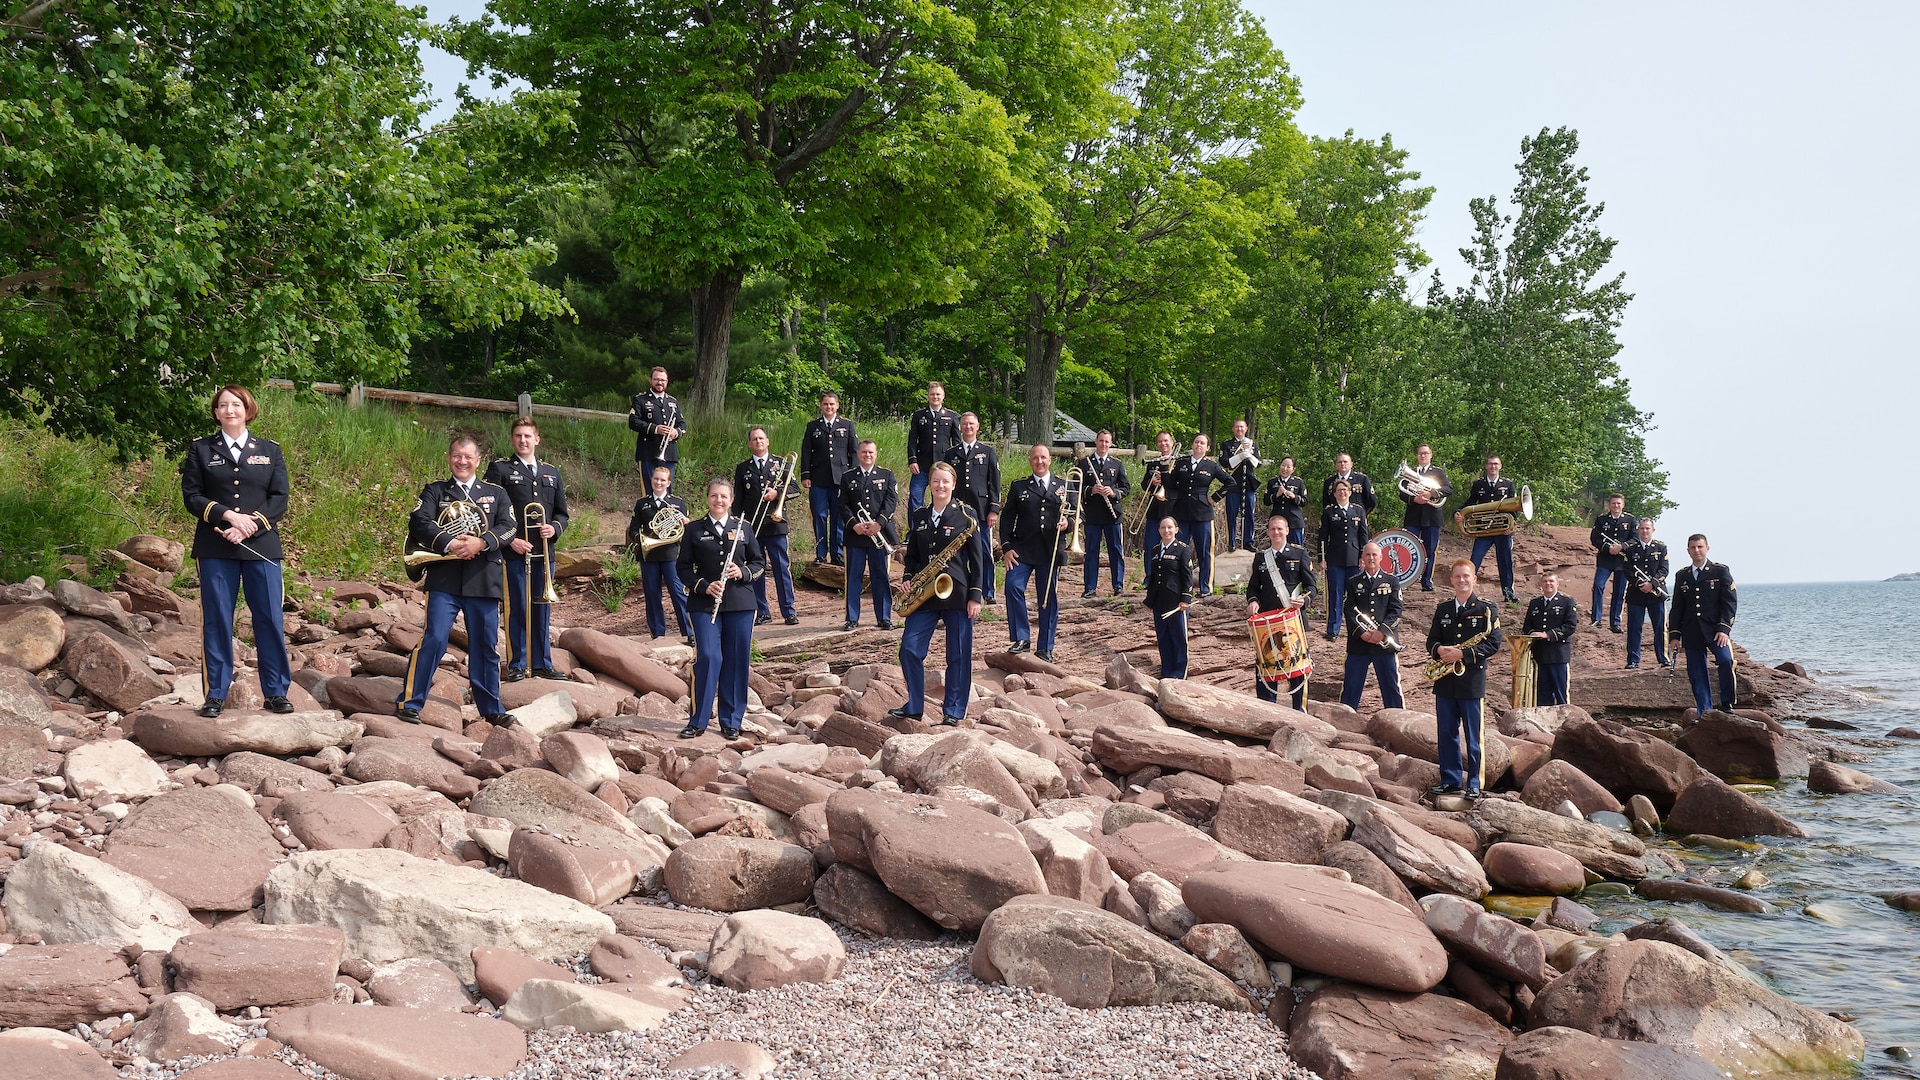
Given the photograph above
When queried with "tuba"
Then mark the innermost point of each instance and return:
(1413, 483)
(664, 529)
(1526, 672)
(456, 519)
(1499, 518)
(933, 579)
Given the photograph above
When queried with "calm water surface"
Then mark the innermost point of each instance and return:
(1861, 642)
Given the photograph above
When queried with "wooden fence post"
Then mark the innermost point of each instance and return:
(526, 404)
(357, 396)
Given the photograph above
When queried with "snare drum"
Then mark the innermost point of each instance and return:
(1279, 646)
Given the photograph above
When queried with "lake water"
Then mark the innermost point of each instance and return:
(1861, 643)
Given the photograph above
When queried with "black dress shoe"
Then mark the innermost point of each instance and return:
(1088, 595)
(548, 673)
(729, 733)
(1510, 598)
(903, 714)
(1019, 646)
(1472, 794)
(1443, 789)
(691, 644)
(1595, 623)
(514, 675)
(793, 620)
(411, 716)
(885, 624)
(990, 600)
(1044, 656)
(1332, 636)
(848, 627)
(213, 706)
(279, 705)
(691, 732)
(501, 719)
(950, 721)
(1208, 591)
(1616, 629)
(1426, 586)
(1635, 666)
(762, 620)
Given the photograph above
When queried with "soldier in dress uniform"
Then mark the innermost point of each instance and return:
(1377, 596)
(976, 471)
(528, 480)
(1287, 496)
(758, 480)
(1550, 621)
(1490, 487)
(1281, 576)
(826, 453)
(1154, 480)
(1702, 622)
(720, 559)
(871, 490)
(931, 432)
(931, 530)
(1646, 560)
(235, 486)
(1169, 588)
(469, 585)
(660, 423)
(1457, 697)
(1343, 535)
(1612, 532)
(1423, 515)
(1103, 488)
(1242, 489)
(1033, 538)
(657, 567)
(1190, 488)
(1359, 484)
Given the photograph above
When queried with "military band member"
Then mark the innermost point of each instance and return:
(720, 558)
(866, 493)
(1343, 535)
(1702, 622)
(826, 453)
(1612, 532)
(1033, 539)
(1377, 596)
(1190, 490)
(1287, 496)
(1281, 576)
(1646, 560)
(660, 423)
(1169, 587)
(235, 486)
(1153, 481)
(931, 530)
(1550, 621)
(1359, 484)
(976, 470)
(758, 481)
(1242, 488)
(658, 569)
(468, 586)
(1457, 697)
(1423, 515)
(931, 432)
(1103, 488)
(528, 480)
(1489, 487)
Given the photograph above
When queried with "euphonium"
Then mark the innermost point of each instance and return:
(1526, 672)
(1497, 518)
(665, 529)
(933, 579)
(1413, 483)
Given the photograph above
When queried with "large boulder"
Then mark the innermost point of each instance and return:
(251, 965)
(112, 672)
(158, 552)
(1125, 749)
(373, 694)
(1271, 824)
(1738, 748)
(79, 598)
(754, 950)
(380, 1042)
(394, 905)
(207, 849)
(855, 900)
(737, 873)
(1168, 848)
(114, 768)
(1537, 719)
(1651, 991)
(1831, 778)
(965, 759)
(23, 703)
(1557, 782)
(1072, 866)
(1709, 805)
(1625, 761)
(625, 660)
(1314, 918)
(64, 985)
(1091, 958)
(182, 1025)
(1561, 1053)
(1422, 859)
(1359, 1033)
(1493, 944)
(1417, 735)
(952, 862)
(178, 730)
(46, 1054)
(1533, 871)
(410, 761)
(546, 1003)
(334, 820)
(1607, 852)
(1366, 869)
(31, 636)
(594, 875)
(67, 897)
(536, 798)
(1232, 712)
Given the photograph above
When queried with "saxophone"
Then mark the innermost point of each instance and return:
(933, 579)
(1435, 670)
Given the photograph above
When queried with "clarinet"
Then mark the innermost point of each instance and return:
(732, 549)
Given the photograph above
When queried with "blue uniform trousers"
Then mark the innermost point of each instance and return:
(482, 615)
(1018, 627)
(1386, 668)
(1550, 684)
(220, 579)
(720, 656)
(1459, 720)
(1108, 535)
(1600, 576)
(780, 570)
(1336, 595)
(916, 491)
(829, 536)
(1430, 540)
(1296, 690)
(1502, 556)
(653, 576)
(1239, 519)
(1170, 634)
(1198, 535)
(869, 564)
(914, 642)
(1702, 682)
(1637, 615)
(515, 616)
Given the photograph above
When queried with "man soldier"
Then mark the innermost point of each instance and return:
(1646, 560)
(1489, 487)
(1153, 483)
(976, 471)
(720, 557)
(467, 585)
(1550, 621)
(1033, 538)
(1287, 496)
(826, 453)
(528, 480)
(1281, 577)
(1241, 488)
(1190, 489)
(1169, 587)
(657, 566)
(1457, 696)
(1376, 596)
(930, 531)
(1702, 622)
(869, 496)
(1612, 532)
(1423, 510)
(1343, 536)
(931, 432)
(658, 419)
(759, 480)
(1103, 487)
(1359, 484)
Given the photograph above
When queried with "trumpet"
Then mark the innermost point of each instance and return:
(879, 537)
(664, 530)
(1366, 624)
(1499, 518)
(456, 519)
(1414, 483)
(1244, 455)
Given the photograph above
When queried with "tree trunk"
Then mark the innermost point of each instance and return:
(1043, 374)
(713, 305)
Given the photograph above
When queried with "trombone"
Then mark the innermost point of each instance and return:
(1153, 489)
(533, 516)
(1069, 512)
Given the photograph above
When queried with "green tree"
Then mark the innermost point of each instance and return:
(189, 198)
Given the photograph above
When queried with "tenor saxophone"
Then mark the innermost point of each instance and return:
(933, 579)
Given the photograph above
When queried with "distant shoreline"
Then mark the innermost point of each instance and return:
(1915, 576)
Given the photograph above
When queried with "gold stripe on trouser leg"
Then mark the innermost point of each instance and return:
(1480, 740)
(413, 665)
(506, 617)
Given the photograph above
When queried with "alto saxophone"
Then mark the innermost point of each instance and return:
(933, 579)
(1435, 670)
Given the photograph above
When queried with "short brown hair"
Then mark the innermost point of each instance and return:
(241, 392)
(458, 441)
(1458, 563)
(935, 386)
(524, 421)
